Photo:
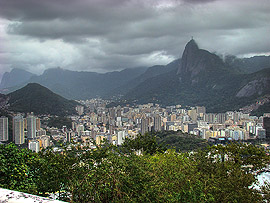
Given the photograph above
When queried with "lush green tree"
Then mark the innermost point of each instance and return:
(114, 179)
(108, 173)
(226, 171)
(176, 178)
(146, 143)
(180, 141)
(15, 168)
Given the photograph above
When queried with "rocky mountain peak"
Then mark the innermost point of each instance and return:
(191, 46)
(197, 62)
(188, 58)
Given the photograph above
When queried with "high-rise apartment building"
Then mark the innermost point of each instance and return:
(18, 129)
(193, 114)
(157, 123)
(31, 127)
(200, 109)
(37, 123)
(80, 110)
(121, 135)
(68, 136)
(3, 129)
(144, 126)
(266, 126)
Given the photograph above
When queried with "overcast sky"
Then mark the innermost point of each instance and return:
(107, 35)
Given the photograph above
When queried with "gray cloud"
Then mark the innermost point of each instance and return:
(105, 35)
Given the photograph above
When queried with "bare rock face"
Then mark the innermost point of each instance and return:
(257, 86)
(188, 57)
(196, 62)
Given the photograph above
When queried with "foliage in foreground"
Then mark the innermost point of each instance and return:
(110, 174)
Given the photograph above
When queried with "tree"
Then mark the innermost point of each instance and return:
(15, 168)
(106, 174)
(146, 143)
(226, 171)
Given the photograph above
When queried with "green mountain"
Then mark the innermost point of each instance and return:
(202, 78)
(40, 100)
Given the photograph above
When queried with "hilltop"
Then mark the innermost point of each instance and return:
(40, 100)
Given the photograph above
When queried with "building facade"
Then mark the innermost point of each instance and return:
(3, 129)
(31, 127)
(18, 129)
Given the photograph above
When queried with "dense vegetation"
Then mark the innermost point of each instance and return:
(180, 141)
(112, 174)
(40, 100)
(262, 109)
(177, 140)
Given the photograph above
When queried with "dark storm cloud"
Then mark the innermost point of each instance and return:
(32, 10)
(198, 1)
(104, 35)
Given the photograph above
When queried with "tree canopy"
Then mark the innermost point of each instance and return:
(112, 174)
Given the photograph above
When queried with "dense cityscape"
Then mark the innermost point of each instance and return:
(97, 122)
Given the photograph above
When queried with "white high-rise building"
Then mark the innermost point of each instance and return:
(34, 145)
(31, 127)
(80, 110)
(121, 135)
(80, 129)
(18, 129)
(3, 129)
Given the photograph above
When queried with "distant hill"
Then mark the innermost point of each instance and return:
(15, 77)
(248, 65)
(40, 100)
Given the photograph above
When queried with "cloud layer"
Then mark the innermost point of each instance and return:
(105, 35)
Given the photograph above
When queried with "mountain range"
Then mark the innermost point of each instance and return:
(197, 78)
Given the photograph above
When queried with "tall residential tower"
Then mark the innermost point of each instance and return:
(3, 129)
(18, 129)
(31, 127)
